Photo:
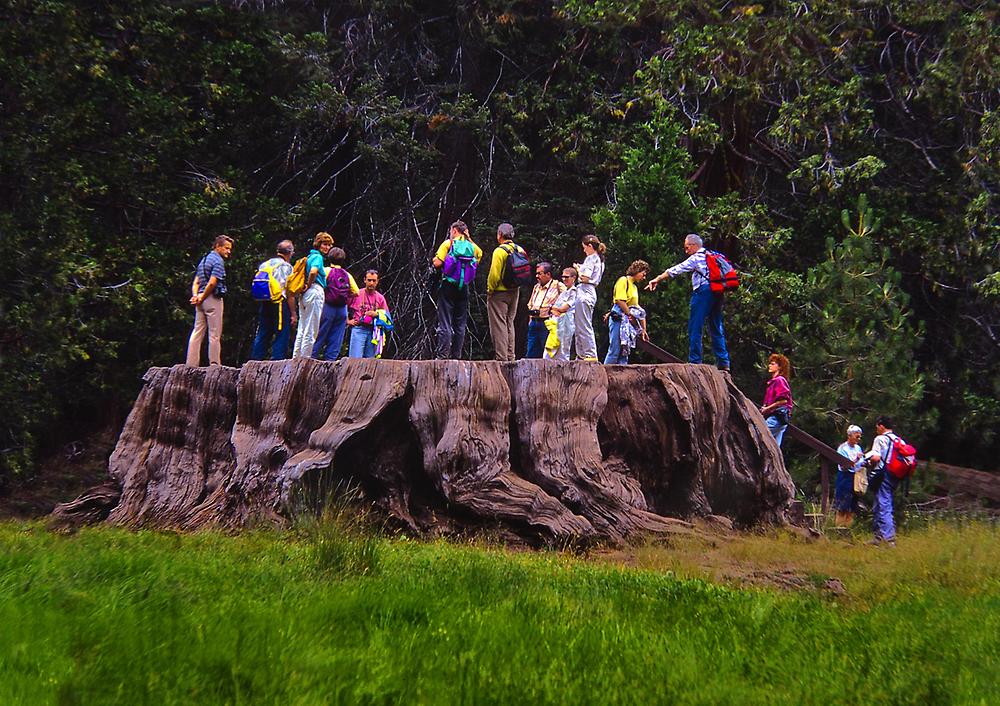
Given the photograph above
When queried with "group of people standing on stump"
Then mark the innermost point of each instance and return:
(560, 307)
(316, 295)
(322, 300)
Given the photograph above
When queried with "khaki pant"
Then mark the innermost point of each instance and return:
(207, 315)
(502, 309)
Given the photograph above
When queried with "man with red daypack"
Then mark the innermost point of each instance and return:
(705, 304)
(503, 291)
(881, 482)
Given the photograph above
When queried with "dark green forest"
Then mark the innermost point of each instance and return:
(844, 153)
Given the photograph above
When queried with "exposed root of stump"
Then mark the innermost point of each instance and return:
(548, 452)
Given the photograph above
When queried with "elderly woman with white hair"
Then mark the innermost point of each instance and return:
(844, 499)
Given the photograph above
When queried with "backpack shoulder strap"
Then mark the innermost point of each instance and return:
(204, 271)
(892, 448)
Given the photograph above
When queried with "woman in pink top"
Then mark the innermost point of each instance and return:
(777, 407)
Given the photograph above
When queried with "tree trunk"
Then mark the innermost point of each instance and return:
(539, 450)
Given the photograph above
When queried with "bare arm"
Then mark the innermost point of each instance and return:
(209, 288)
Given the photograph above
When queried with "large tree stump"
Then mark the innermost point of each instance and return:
(539, 450)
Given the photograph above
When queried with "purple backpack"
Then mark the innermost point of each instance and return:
(460, 263)
(338, 287)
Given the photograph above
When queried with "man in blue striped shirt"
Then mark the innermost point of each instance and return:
(704, 304)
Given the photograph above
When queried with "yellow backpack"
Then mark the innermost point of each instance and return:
(297, 280)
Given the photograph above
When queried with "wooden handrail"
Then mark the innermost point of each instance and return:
(657, 352)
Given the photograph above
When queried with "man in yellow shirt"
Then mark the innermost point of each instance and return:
(502, 295)
(457, 258)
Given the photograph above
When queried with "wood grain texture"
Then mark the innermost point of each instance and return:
(542, 451)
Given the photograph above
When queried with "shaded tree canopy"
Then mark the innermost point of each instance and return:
(134, 132)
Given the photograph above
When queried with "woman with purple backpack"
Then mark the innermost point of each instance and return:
(340, 291)
(456, 259)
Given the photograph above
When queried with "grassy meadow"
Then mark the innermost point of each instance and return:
(320, 616)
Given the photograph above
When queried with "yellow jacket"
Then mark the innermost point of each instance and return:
(494, 282)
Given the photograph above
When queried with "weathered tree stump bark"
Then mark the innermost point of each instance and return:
(544, 451)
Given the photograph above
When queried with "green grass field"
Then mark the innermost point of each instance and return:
(312, 617)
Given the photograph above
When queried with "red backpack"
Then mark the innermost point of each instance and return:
(902, 459)
(722, 276)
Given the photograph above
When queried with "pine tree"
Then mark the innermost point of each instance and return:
(854, 346)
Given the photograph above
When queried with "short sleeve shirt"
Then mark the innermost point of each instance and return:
(625, 290)
(593, 268)
(881, 445)
(443, 248)
(567, 298)
(282, 271)
(852, 452)
(543, 296)
(315, 259)
(212, 265)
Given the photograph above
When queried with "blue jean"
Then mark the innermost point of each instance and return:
(882, 521)
(777, 428)
(706, 305)
(537, 333)
(614, 356)
(330, 338)
(267, 329)
(360, 344)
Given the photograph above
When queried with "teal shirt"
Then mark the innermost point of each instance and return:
(316, 260)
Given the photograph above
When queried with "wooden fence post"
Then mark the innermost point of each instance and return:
(824, 481)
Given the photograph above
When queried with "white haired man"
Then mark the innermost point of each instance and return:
(705, 304)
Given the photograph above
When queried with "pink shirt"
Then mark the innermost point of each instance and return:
(777, 387)
(366, 301)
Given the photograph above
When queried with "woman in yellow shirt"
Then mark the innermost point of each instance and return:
(626, 295)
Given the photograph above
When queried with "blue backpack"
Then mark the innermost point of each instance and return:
(460, 263)
(265, 286)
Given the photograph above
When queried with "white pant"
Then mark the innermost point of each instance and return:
(310, 312)
(565, 328)
(583, 319)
